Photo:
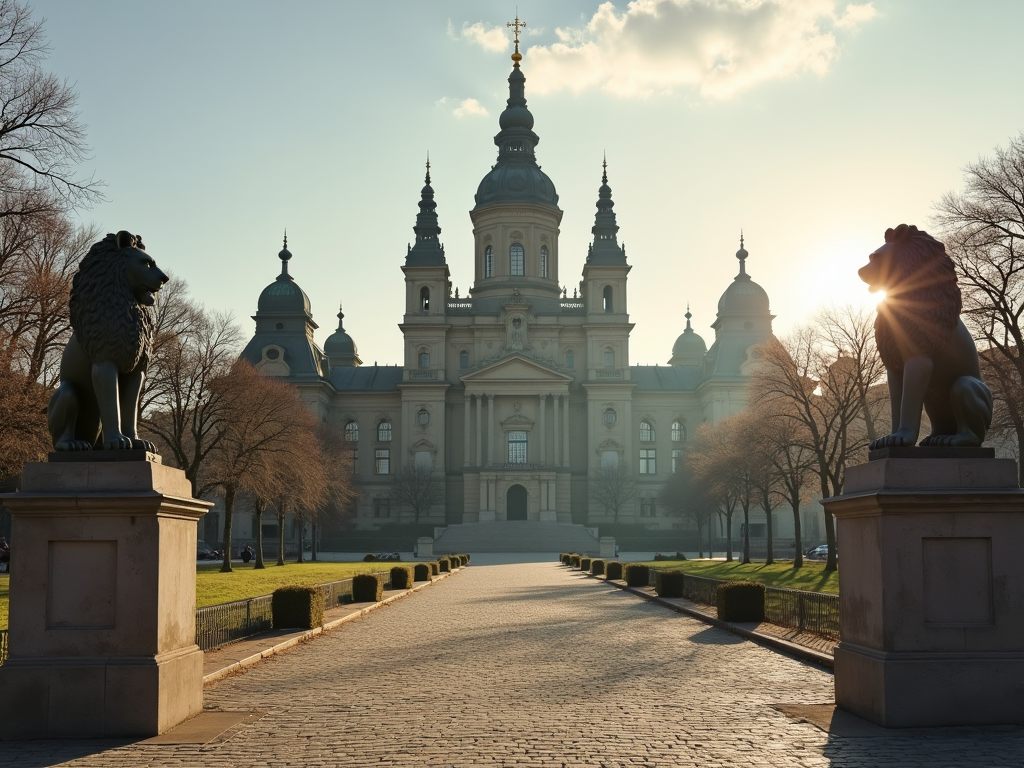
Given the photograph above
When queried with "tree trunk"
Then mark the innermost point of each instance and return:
(728, 536)
(798, 556)
(301, 526)
(313, 555)
(229, 511)
(830, 524)
(745, 557)
(280, 534)
(769, 543)
(260, 509)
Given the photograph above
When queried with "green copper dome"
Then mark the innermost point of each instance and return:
(283, 296)
(743, 296)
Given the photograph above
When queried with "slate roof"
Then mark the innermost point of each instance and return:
(367, 378)
(660, 378)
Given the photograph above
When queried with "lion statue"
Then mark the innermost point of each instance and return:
(929, 356)
(104, 363)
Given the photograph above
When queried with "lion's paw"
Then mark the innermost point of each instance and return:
(894, 440)
(952, 441)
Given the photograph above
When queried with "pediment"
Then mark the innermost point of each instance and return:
(516, 368)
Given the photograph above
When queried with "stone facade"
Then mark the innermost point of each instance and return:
(516, 394)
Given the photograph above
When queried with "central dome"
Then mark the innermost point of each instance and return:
(743, 296)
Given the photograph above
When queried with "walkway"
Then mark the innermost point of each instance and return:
(524, 665)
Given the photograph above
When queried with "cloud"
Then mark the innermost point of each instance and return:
(719, 47)
(470, 108)
(489, 38)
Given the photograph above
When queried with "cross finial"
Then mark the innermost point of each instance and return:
(516, 26)
(428, 166)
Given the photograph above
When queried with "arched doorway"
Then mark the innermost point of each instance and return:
(515, 503)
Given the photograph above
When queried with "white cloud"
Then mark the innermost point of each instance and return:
(470, 108)
(720, 47)
(489, 38)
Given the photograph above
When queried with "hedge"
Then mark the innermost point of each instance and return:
(613, 570)
(668, 583)
(574, 561)
(435, 568)
(584, 563)
(445, 564)
(401, 577)
(740, 601)
(297, 607)
(421, 571)
(597, 567)
(367, 588)
(637, 575)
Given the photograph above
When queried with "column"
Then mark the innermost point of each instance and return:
(479, 433)
(554, 431)
(492, 440)
(565, 430)
(465, 432)
(541, 434)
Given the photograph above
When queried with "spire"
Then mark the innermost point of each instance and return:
(606, 248)
(688, 316)
(285, 256)
(516, 140)
(428, 250)
(516, 25)
(742, 254)
(341, 317)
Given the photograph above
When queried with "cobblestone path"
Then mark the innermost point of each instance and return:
(531, 665)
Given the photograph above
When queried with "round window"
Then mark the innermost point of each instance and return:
(423, 417)
(609, 417)
(280, 326)
(272, 354)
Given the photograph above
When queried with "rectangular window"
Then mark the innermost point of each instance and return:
(517, 447)
(677, 457)
(383, 461)
(609, 459)
(544, 261)
(646, 507)
(516, 257)
(423, 460)
(382, 507)
(647, 463)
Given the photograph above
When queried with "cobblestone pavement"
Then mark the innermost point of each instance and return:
(532, 665)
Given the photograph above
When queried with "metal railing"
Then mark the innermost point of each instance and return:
(813, 612)
(218, 625)
(3, 645)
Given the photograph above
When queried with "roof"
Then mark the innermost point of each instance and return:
(367, 378)
(659, 378)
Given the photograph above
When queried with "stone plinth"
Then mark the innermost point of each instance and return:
(103, 601)
(932, 592)
(425, 547)
(607, 546)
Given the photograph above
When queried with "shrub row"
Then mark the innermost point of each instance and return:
(740, 601)
(297, 607)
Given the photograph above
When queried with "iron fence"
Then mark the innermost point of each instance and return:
(218, 625)
(3, 645)
(813, 612)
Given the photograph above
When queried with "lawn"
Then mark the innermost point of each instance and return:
(811, 577)
(214, 587)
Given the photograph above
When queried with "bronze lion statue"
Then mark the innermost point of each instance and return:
(104, 363)
(929, 356)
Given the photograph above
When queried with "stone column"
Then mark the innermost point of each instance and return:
(479, 431)
(492, 440)
(542, 434)
(565, 430)
(554, 431)
(465, 432)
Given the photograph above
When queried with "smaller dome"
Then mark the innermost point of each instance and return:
(689, 348)
(340, 348)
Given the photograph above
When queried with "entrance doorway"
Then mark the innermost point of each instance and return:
(515, 503)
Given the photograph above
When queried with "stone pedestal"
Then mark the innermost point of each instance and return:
(607, 546)
(932, 592)
(103, 601)
(548, 516)
(425, 547)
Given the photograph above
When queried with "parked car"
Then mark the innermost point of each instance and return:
(204, 552)
(819, 552)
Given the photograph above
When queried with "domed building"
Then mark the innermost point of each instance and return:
(516, 395)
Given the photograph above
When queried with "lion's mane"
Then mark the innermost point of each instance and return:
(922, 301)
(106, 317)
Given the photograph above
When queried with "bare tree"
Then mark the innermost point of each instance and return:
(613, 488)
(42, 139)
(683, 496)
(720, 465)
(983, 230)
(418, 488)
(23, 433)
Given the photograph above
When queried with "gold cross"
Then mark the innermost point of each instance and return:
(516, 26)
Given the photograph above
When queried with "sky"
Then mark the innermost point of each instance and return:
(810, 125)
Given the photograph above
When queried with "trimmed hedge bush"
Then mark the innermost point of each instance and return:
(740, 601)
(613, 570)
(370, 559)
(574, 561)
(637, 575)
(445, 564)
(668, 583)
(297, 607)
(585, 564)
(597, 567)
(463, 561)
(564, 558)
(421, 572)
(366, 588)
(435, 568)
(401, 577)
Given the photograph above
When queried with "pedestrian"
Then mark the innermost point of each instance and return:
(247, 554)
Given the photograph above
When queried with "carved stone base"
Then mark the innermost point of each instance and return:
(102, 608)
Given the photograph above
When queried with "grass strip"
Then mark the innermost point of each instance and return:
(812, 577)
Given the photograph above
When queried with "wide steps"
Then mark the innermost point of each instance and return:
(516, 536)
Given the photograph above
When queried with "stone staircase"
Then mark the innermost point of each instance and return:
(516, 536)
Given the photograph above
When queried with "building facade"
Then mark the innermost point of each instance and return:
(516, 396)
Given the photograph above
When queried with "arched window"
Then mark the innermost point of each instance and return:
(464, 359)
(424, 358)
(609, 358)
(425, 299)
(543, 261)
(516, 257)
(570, 360)
(384, 431)
(352, 432)
(488, 261)
(678, 432)
(646, 432)
(607, 298)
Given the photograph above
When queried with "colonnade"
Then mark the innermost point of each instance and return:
(493, 438)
